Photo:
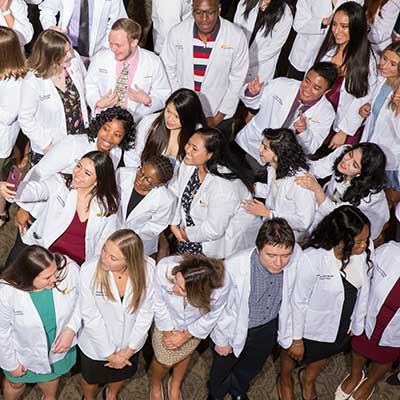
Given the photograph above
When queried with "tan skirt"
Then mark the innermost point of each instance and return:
(170, 357)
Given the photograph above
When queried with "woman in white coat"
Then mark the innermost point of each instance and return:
(357, 178)
(382, 125)
(53, 98)
(190, 293)
(283, 198)
(210, 187)
(346, 45)
(116, 309)
(266, 24)
(311, 23)
(382, 16)
(39, 321)
(146, 204)
(329, 298)
(380, 341)
(12, 72)
(166, 133)
(75, 214)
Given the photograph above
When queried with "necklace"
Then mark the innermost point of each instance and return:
(119, 273)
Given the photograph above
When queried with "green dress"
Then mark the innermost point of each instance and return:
(44, 304)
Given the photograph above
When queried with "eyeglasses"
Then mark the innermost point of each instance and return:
(201, 13)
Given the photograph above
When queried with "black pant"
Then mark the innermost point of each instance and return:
(294, 73)
(233, 375)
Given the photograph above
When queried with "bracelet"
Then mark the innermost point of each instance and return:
(6, 13)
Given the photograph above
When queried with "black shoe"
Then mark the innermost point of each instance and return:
(394, 379)
(210, 397)
(241, 397)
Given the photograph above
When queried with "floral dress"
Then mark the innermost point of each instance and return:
(187, 197)
(72, 107)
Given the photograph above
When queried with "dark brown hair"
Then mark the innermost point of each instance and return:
(275, 232)
(12, 63)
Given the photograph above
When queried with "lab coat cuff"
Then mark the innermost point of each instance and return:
(197, 334)
(137, 342)
(9, 364)
(164, 326)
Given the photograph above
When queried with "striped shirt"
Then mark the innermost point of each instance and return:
(201, 55)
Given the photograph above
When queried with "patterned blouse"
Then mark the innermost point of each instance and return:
(72, 107)
(187, 197)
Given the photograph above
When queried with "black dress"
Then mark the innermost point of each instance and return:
(314, 350)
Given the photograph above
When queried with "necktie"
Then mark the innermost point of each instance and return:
(122, 85)
(292, 113)
(83, 39)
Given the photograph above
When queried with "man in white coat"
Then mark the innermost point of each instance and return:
(126, 75)
(209, 55)
(166, 14)
(288, 103)
(86, 22)
(14, 15)
(258, 312)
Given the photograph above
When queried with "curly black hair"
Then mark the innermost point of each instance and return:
(164, 167)
(128, 142)
(342, 225)
(291, 157)
(372, 177)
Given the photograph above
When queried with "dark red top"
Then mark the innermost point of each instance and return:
(72, 241)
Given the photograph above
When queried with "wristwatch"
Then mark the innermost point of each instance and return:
(6, 13)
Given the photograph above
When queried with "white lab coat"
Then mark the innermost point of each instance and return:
(386, 133)
(22, 336)
(264, 51)
(291, 202)
(226, 71)
(318, 296)
(105, 13)
(221, 224)
(151, 216)
(150, 76)
(56, 213)
(111, 326)
(166, 14)
(41, 114)
(307, 23)
(386, 273)
(22, 26)
(274, 103)
(10, 92)
(64, 155)
(380, 34)
(170, 313)
(232, 327)
(374, 206)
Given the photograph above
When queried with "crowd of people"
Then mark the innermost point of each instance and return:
(190, 191)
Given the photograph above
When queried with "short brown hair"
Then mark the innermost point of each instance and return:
(12, 63)
(276, 232)
(131, 27)
(202, 275)
(47, 53)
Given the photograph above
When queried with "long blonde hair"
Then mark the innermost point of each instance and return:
(131, 246)
(395, 48)
(12, 62)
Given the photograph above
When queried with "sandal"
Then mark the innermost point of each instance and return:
(340, 394)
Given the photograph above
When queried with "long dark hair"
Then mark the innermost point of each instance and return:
(372, 176)
(191, 115)
(105, 190)
(202, 275)
(128, 142)
(373, 8)
(34, 259)
(291, 157)
(342, 225)
(216, 143)
(356, 55)
(270, 16)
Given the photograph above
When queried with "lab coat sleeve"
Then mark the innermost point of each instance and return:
(92, 320)
(29, 106)
(144, 317)
(32, 191)
(261, 190)
(251, 102)
(162, 316)
(93, 93)
(379, 30)
(48, 12)
(203, 326)
(117, 11)
(8, 359)
(75, 322)
(305, 21)
(109, 226)
(8, 107)
(305, 280)
(22, 25)
(169, 58)
(159, 91)
(221, 208)
(237, 76)
(323, 167)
